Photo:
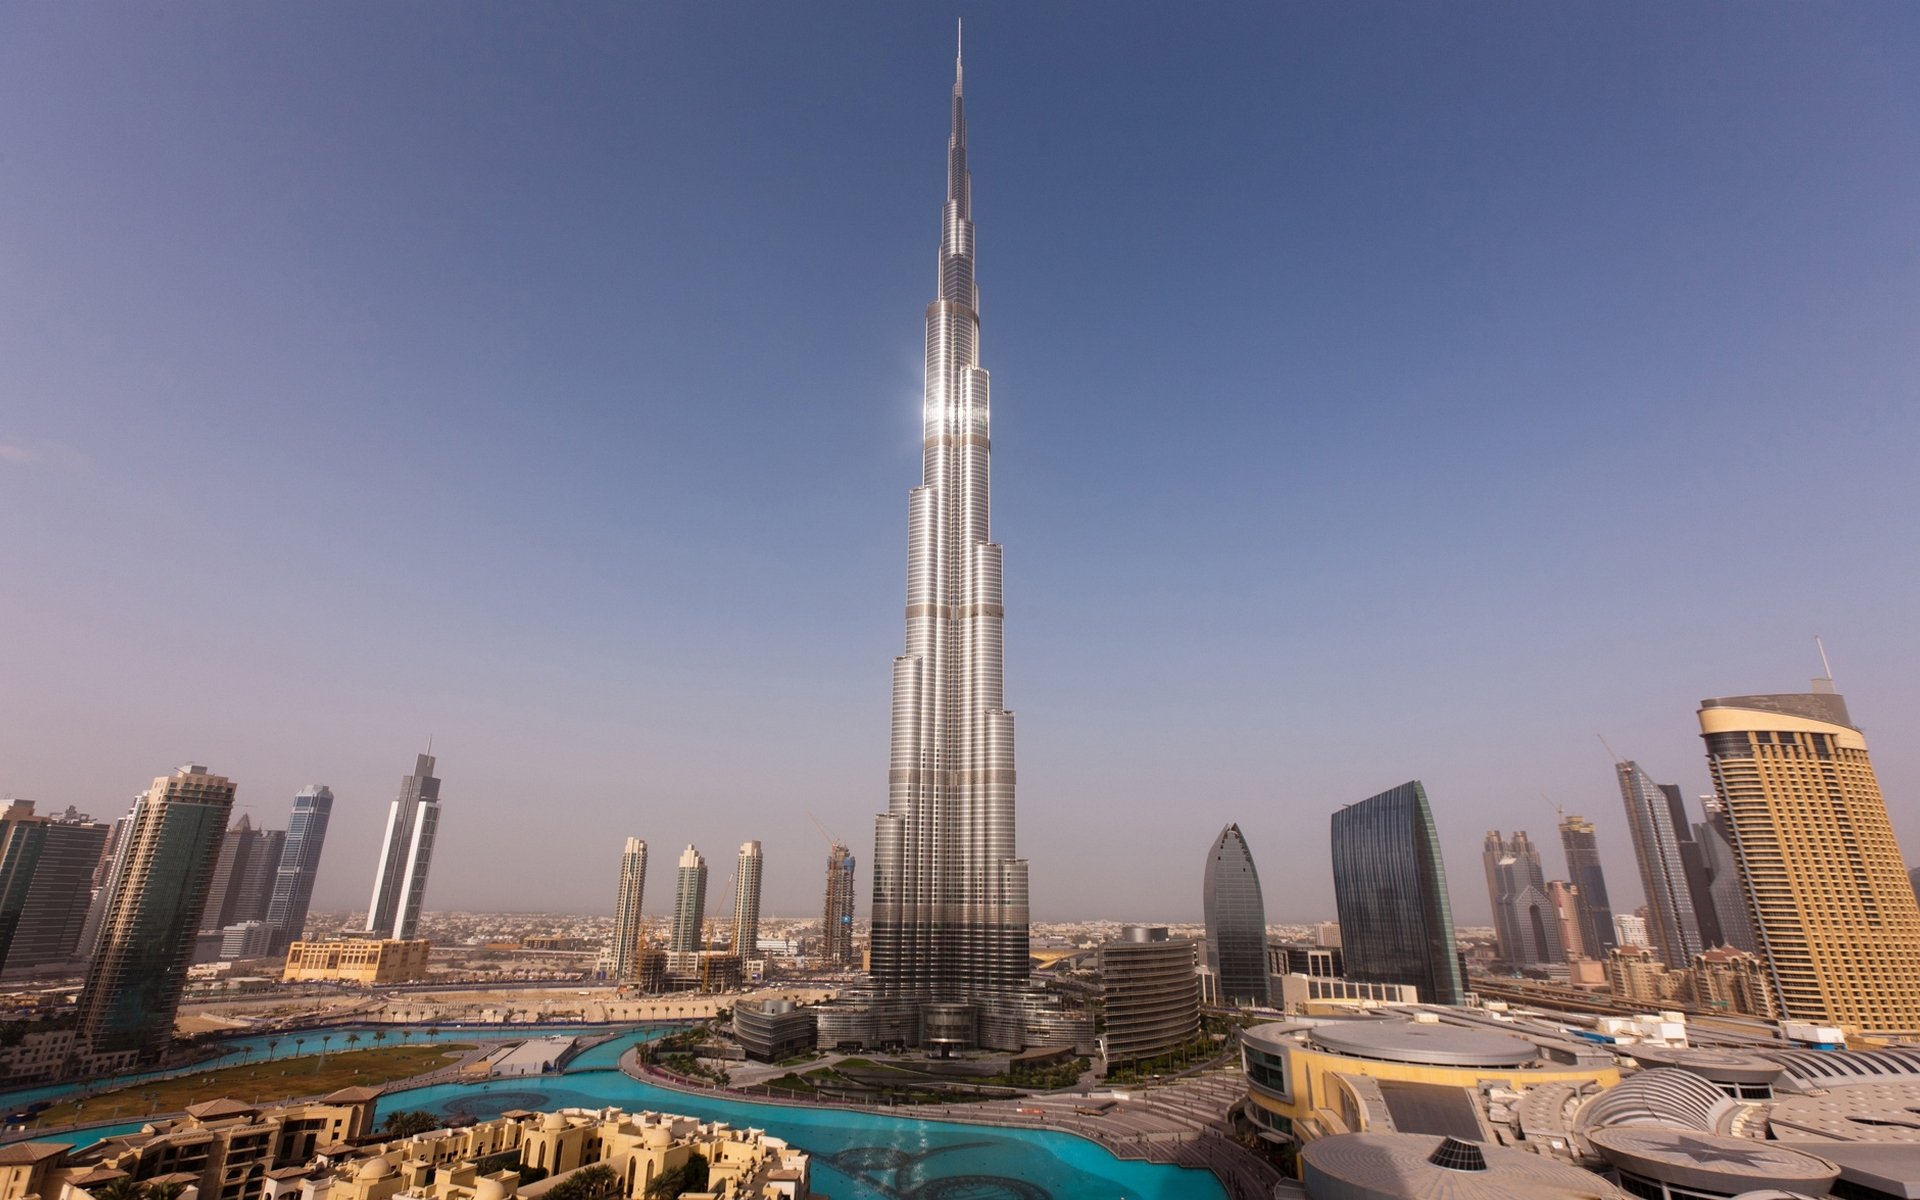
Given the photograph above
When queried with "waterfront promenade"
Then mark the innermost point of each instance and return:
(1181, 1124)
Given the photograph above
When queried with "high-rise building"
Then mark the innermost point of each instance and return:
(244, 876)
(1524, 919)
(46, 883)
(1726, 894)
(746, 902)
(1833, 909)
(949, 887)
(1390, 887)
(1659, 825)
(1150, 992)
(689, 903)
(1566, 908)
(159, 890)
(400, 884)
(1236, 916)
(1589, 882)
(299, 864)
(836, 926)
(629, 929)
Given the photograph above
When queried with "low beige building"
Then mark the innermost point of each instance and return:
(356, 960)
(640, 1148)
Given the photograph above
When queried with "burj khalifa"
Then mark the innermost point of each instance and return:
(949, 890)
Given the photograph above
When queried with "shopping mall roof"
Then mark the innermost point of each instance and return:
(1403, 1166)
(1424, 1042)
(1706, 1162)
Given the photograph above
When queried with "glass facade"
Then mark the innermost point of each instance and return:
(1236, 921)
(1590, 883)
(299, 864)
(1390, 886)
(1659, 828)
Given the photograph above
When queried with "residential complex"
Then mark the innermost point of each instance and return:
(746, 901)
(158, 892)
(689, 903)
(1149, 994)
(629, 931)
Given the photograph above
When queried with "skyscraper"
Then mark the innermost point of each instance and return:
(46, 884)
(628, 928)
(1595, 910)
(689, 903)
(1657, 819)
(746, 903)
(1726, 893)
(159, 891)
(299, 864)
(1236, 916)
(1524, 917)
(1833, 909)
(243, 878)
(1390, 888)
(400, 884)
(836, 927)
(949, 889)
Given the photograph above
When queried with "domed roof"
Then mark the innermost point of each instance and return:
(489, 1189)
(374, 1168)
(553, 1122)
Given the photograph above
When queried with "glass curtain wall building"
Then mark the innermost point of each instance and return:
(1659, 827)
(1578, 839)
(746, 902)
(1236, 917)
(299, 864)
(1390, 887)
(160, 888)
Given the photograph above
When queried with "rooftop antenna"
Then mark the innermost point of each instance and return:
(1824, 664)
(1603, 742)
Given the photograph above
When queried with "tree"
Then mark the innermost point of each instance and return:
(124, 1188)
(297, 1043)
(164, 1191)
(402, 1123)
(272, 1044)
(324, 1040)
(588, 1183)
(379, 1036)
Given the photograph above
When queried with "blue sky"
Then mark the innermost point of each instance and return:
(1381, 392)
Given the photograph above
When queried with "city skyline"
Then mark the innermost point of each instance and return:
(1328, 553)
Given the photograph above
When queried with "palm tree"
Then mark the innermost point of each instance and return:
(272, 1044)
(124, 1188)
(324, 1039)
(379, 1035)
(353, 1039)
(164, 1191)
(297, 1043)
(405, 1036)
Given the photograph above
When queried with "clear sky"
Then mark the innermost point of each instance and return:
(1381, 392)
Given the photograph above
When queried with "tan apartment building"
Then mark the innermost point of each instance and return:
(1827, 890)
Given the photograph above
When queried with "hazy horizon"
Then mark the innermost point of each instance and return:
(1386, 393)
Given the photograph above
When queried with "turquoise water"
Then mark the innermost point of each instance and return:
(856, 1156)
(255, 1049)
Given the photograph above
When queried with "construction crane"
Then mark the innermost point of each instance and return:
(830, 840)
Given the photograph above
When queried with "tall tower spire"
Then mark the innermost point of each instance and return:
(949, 892)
